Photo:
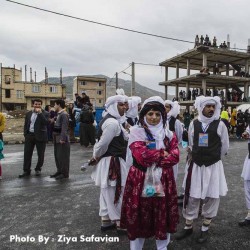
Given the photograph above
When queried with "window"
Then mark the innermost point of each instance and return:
(99, 92)
(36, 89)
(19, 94)
(7, 93)
(100, 84)
(7, 79)
(53, 89)
(82, 83)
(100, 101)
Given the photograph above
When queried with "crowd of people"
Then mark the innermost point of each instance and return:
(233, 95)
(207, 42)
(135, 160)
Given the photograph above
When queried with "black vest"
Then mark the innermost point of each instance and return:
(171, 124)
(206, 155)
(117, 146)
(132, 121)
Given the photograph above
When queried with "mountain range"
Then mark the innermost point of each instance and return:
(140, 90)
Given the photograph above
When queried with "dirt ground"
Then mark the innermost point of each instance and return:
(14, 125)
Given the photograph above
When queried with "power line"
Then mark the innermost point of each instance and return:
(99, 23)
(125, 69)
(107, 25)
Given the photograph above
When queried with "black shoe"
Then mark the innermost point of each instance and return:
(54, 175)
(110, 227)
(180, 197)
(244, 223)
(183, 233)
(38, 173)
(203, 237)
(24, 174)
(121, 231)
(180, 203)
(60, 177)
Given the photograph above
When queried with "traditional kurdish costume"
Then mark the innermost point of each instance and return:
(144, 217)
(110, 173)
(174, 125)
(132, 113)
(246, 177)
(204, 176)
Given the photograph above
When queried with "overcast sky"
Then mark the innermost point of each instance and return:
(38, 39)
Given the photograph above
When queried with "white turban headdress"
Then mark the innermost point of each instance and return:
(133, 102)
(175, 108)
(201, 102)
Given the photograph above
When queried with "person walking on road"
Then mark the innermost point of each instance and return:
(204, 177)
(35, 134)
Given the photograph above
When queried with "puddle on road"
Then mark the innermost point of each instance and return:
(12, 157)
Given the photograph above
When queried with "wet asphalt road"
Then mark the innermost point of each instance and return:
(65, 213)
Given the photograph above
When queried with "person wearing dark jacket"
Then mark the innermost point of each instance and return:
(35, 134)
(61, 141)
(87, 129)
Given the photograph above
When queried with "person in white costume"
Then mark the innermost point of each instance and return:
(204, 177)
(133, 109)
(246, 177)
(109, 152)
(173, 124)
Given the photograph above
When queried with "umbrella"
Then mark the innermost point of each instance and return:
(243, 107)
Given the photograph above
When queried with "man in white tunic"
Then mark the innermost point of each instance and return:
(110, 172)
(246, 177)
(204, 178)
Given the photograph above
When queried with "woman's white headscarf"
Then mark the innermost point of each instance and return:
(133, 102)
(153, 99)
(111, 106)
(201, 102)
(175, 108)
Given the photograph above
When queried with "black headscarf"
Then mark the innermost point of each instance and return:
(156, 106)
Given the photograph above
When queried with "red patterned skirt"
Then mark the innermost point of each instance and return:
(152, 216)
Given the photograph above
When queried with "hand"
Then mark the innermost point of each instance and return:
(166, 153)
(62, 142)
(38, 110)
(245, 135)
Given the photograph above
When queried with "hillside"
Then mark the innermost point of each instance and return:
(140, 90)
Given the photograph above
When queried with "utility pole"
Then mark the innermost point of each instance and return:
(133, 80)
(116, 80)
(25, 73)
(61, 76)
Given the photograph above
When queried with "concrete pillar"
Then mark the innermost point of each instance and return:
(227, 69)
(204, 86)
(188, 67)
(177, 91)
(246, 90)
(204, 62)
(166, 92)
(187, 88)
(177, 70)
(246, 67)
(166, 79)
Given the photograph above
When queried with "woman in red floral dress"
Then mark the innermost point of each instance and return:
(145, 217)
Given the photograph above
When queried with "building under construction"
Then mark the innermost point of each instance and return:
(212, 68)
